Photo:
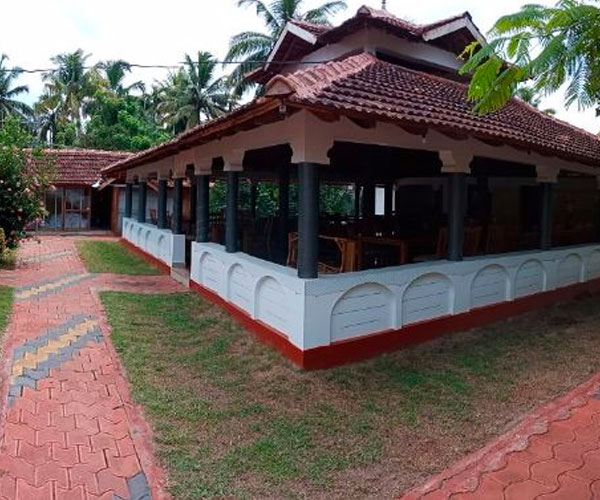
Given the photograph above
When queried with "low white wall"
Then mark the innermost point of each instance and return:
(343, 306)
(267, 292)
(160, 243)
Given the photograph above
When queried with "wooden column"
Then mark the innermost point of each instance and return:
(128, 199)
(284, 212)
(193, 199)
(546, 215)
(308, 220)
(177, 225)
(143, 190)
(231, 212)
(202, 208)
(456, 215)
(162, 203)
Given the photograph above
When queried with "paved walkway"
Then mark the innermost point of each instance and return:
(554, 453)
(68, 427)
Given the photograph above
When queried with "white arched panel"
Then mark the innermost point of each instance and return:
(429, 296)
(272, 304)
(364, 309)
(211, 271)
(138, 236)
(163, 248)
(530, 279)
(240, 287)
(569, 271)
(490, 286)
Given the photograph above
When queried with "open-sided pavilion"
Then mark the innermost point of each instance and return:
(456, 218)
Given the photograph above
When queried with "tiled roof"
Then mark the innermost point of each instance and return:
(366, 86)
(315, 29)
(368, 16)
(81, 166)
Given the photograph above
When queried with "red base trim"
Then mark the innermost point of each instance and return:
(162, 267)
(360, 348)
(264, 332)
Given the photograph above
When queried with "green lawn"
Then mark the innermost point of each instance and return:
(6, 298)
(232, 418)
(112, 257)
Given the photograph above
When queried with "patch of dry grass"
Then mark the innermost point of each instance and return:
(233, 418)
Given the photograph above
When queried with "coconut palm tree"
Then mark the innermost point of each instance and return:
(549, 46)
(193, 94)
(114, 72)
(47, 117)
(251, 46)
(72, 84)
(9, 105)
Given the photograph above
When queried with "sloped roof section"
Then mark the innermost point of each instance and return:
(370, 17)
(81, 166)
(365, 86)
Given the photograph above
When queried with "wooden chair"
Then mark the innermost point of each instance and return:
(347, 249)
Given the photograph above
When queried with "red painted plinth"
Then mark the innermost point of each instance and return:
(360, 348)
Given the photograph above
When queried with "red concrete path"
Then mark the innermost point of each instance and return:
(68, 427)
(553, 454)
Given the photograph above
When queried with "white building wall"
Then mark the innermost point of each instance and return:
(313, 313)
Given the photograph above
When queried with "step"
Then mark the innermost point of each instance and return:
(181, 275)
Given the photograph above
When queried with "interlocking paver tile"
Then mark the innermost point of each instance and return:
(552, 454)
(67, 420)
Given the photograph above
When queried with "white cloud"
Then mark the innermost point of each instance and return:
(160, 32)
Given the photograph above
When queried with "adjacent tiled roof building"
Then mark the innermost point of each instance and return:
(81, 167)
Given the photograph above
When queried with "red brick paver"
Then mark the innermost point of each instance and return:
(553, 454)
(68, 426)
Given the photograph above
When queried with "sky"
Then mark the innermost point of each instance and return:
(161, 32)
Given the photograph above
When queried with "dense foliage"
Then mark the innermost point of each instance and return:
(25, 175)
(549, 46)
(121, 123)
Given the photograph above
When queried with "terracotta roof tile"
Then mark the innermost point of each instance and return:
(315, 29)
(81, 166)
(367, 86)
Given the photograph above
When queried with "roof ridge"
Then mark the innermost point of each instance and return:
(86, 150)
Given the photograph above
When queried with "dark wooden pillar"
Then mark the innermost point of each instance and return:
(231, 212)
(308, 220)
(193, 199)
(456, 215)
(177, 225)
(546, 217)
(284, 212)
(128, 199)
(162, 203)
(143, 191)
(202, 208)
